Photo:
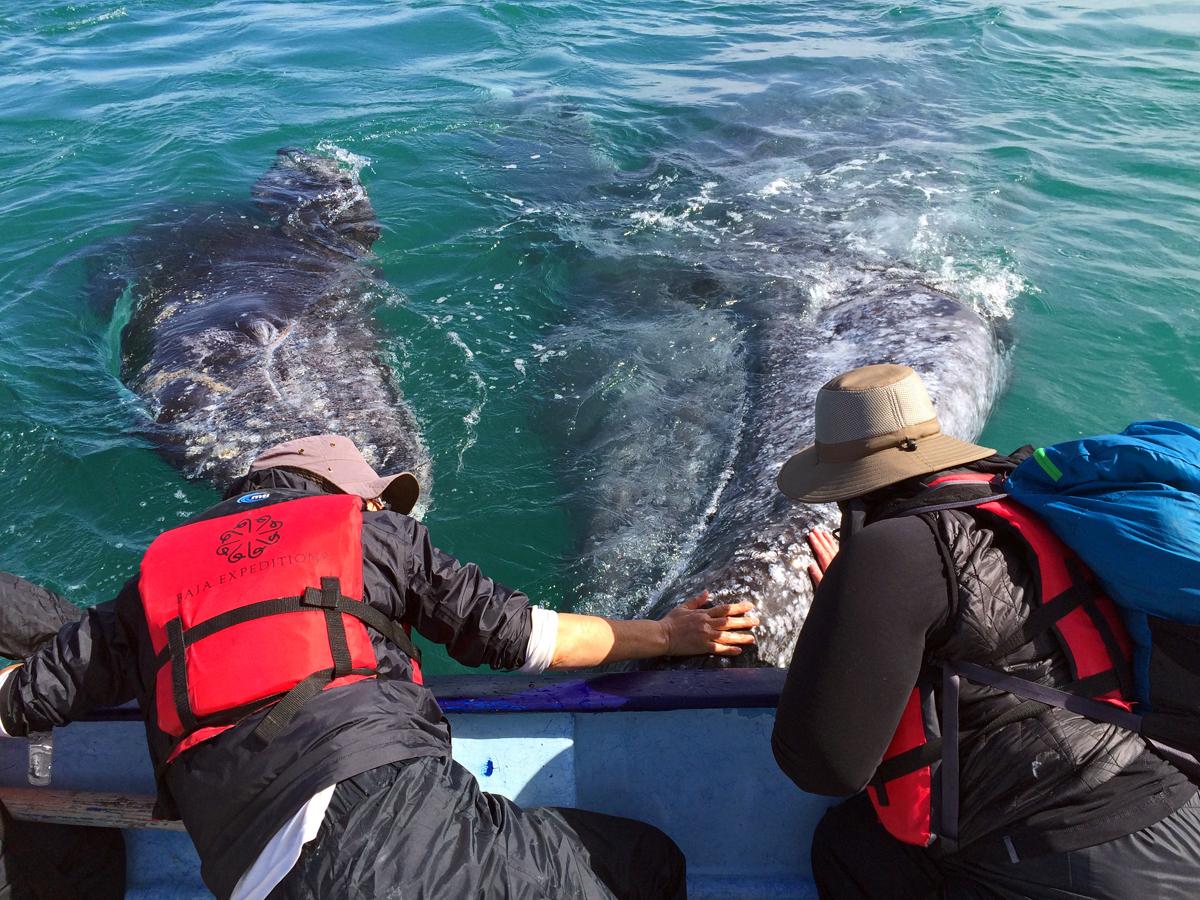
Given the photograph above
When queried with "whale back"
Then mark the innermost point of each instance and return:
(754, 547)
(249, 325)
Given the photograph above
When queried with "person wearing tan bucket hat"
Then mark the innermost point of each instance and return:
(875, 426)
(989, 794)
(267, 643)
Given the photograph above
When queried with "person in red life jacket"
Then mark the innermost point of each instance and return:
(267, 644)
(959, 788)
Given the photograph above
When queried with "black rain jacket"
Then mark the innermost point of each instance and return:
(233, 793)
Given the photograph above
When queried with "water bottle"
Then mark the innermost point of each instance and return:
(41, 754)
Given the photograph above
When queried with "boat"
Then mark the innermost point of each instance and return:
(688, 751)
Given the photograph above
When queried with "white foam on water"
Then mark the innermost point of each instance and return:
(686, 219)
(461, 345)
(350, 160)
(472, 418)
(475, 413)
(776, 187)
(120, 12)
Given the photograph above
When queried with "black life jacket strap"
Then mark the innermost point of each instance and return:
(931, 751)
(282, 713)
(311, 598)
(335, 626)
(950, 786)
(1042, 619)
(330, 600)
(1124, 674)
(963, 503)
(235, 714)
(1037, 698)
(1032, 690)
(179, 680)
(905, 763)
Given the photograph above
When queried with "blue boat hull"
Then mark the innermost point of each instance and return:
(688, 752)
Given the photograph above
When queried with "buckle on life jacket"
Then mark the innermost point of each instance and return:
(325, 598)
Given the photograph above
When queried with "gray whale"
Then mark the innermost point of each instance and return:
(250, 325)
(753, 546)
(681, 491)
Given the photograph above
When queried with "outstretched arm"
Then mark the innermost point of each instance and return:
(483, 622)
(687, 630)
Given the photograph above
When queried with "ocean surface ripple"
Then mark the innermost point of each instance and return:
(584, 208)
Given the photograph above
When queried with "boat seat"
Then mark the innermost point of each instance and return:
(96, 808)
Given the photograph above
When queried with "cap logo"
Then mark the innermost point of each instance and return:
(256, 497)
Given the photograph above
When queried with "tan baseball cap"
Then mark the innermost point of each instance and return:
(875, 426)
(335, 459)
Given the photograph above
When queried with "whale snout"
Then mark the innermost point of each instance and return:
(317, 198)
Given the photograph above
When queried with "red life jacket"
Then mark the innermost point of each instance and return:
(915, 790)
(259, 607)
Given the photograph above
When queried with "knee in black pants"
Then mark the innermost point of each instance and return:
(635, 860)
(671, 862)
(854, 857)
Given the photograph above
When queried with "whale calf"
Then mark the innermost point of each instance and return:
(250, 325)
(709, 295)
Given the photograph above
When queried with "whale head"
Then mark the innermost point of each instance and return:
(246, 330)
(318, 200)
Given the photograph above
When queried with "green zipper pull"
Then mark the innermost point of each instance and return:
(1047, 464)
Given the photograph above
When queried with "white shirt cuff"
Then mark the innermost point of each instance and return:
(543, 639)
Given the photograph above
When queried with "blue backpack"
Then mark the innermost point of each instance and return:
(1129, 505)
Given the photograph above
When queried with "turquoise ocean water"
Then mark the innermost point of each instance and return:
(544, 171)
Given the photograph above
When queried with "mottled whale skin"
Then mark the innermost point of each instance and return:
(250, 325)
(753, 547)
(729, 431)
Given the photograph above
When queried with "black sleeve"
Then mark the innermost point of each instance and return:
(30, 615)
(89, 664)
(858, 656)
(478, 620)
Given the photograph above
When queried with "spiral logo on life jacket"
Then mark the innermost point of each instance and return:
(249, 538)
